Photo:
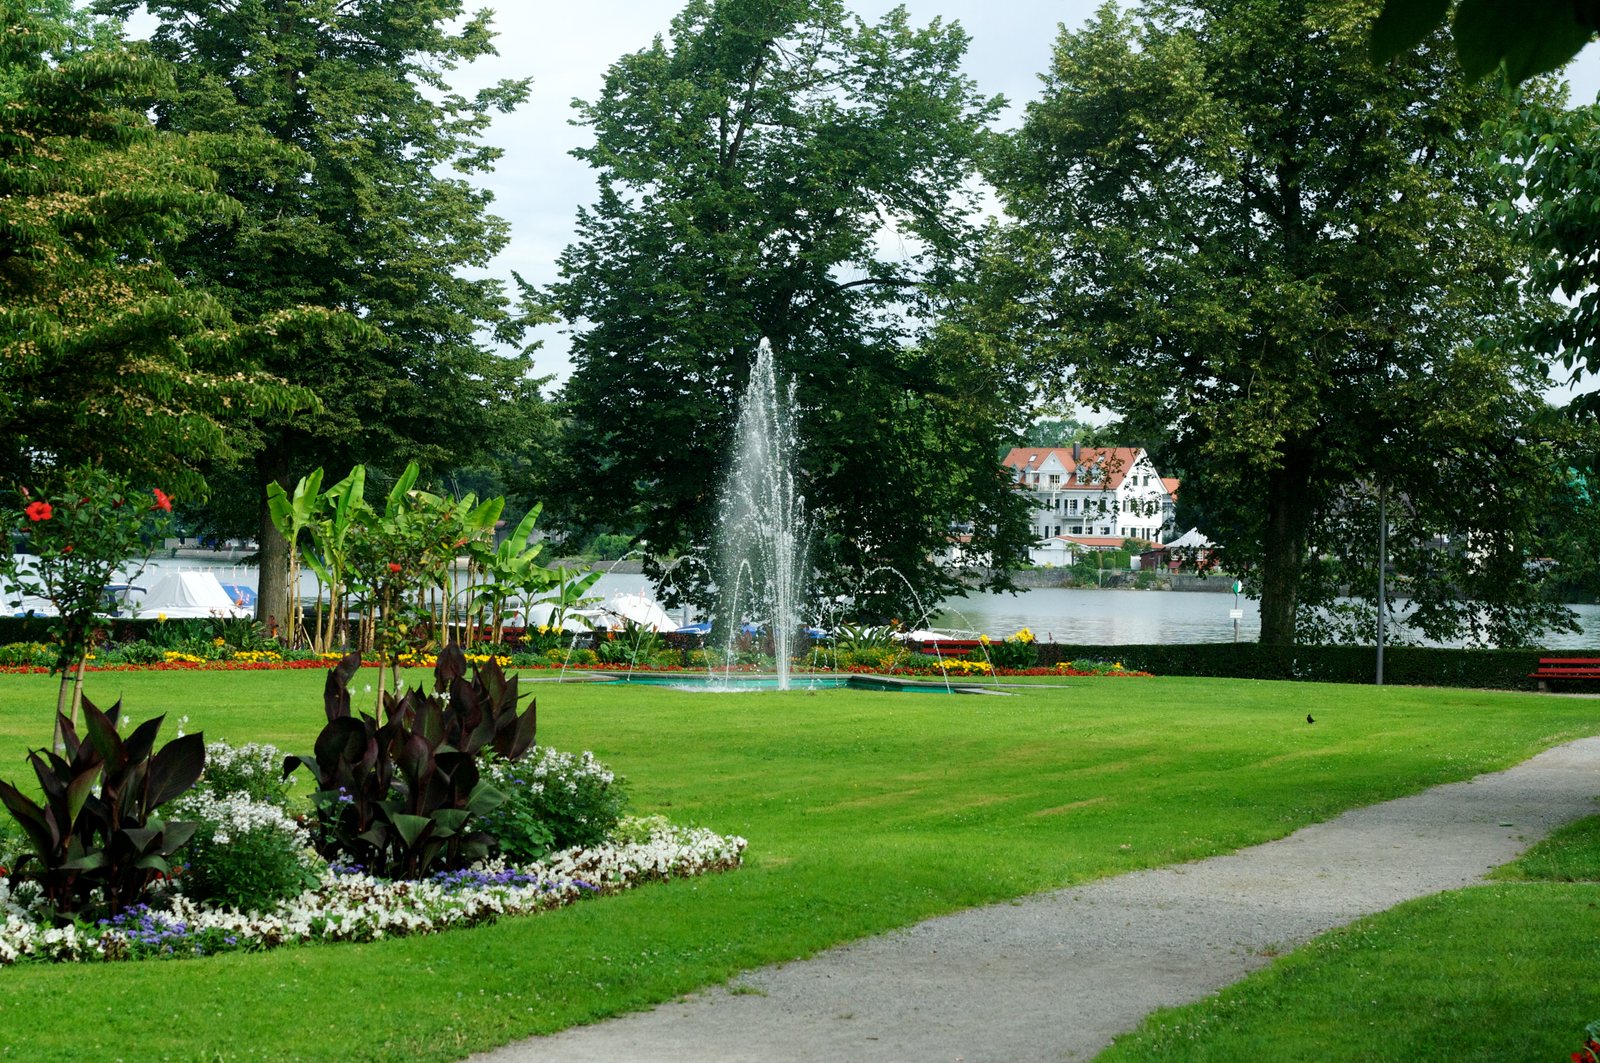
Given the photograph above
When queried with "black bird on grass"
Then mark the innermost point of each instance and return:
(1309, 719)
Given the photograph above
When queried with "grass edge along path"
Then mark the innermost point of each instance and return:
(865, 812)
(1486, 973)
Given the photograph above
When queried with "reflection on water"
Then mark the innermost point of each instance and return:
(1095, 617)
(1122, 618)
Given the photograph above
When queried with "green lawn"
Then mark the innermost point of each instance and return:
(1488, 974)
(865, 811)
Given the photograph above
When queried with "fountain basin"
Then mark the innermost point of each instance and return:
(717, 684)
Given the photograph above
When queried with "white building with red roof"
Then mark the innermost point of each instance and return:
(1092, 498)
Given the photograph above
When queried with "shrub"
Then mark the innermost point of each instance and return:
(633, 645)
(140, 652)
(576, 656)
(254, 770)
(26, 654)
(1017, 651)
(245, 854)
(1403, 665)
(864, 656)
(577, 798)
(637, 830)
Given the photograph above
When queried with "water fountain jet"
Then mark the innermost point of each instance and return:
(762, 514)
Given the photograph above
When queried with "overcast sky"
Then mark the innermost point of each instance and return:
(566, 48)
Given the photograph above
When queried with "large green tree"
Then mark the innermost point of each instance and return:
(370, 222)
(1228, 219)
(778, 169)
(105, 356)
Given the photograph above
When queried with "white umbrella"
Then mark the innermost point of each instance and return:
(635, 607)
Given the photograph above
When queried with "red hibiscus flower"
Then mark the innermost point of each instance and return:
(38, 511)
(163, 501)
(393, 567)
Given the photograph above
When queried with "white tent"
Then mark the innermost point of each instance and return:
(1191, 539)
(187, 595)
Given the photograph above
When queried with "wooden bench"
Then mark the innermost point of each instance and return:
(1565, 668)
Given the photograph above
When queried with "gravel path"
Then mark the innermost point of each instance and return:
(1057, 975)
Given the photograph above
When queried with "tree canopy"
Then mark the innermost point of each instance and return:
(778, 169)
(105, 356)
(359, 213)
(1229, 220)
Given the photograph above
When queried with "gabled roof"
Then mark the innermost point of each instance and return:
(1116, 461)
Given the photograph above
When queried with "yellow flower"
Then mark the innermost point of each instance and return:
(162, 617)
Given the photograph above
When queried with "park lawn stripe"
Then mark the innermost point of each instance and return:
(865, 811)
(1479, 975)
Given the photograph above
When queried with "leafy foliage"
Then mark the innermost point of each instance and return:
(400, 798)
(1530, 37)
(360, 211)
(1228, 220)
(78, 537)
(634, 644)
(103, 850)
(748, 166)
(107, 357)
(245, 854)
(576, 799)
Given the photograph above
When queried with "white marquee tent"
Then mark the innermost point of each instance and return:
(188, 595)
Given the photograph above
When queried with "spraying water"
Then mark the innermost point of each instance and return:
(762, 534)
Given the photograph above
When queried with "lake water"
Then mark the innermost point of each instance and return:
(1059, 614)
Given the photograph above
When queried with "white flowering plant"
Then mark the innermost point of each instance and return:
(255, 769)
(553, 800)
(245, 854)
(348, 905)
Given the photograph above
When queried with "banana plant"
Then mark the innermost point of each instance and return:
(290, 515)
(344, 509)
(515, 570)
(569, 594)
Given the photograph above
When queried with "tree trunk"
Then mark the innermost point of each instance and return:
(273, 591)
(1288, 513)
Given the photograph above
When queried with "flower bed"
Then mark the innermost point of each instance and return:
(350, 906)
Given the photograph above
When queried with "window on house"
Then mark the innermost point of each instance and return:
(1055, 479)
(1058, 529)
(1077, 529)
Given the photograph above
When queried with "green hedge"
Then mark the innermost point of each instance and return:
(1402, 665)
(37, 629)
